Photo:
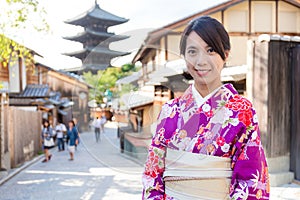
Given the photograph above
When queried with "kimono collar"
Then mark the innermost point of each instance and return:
(188, 101)
(198, 97)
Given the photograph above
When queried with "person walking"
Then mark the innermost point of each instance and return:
(97, 125)
(207, 143)
(103, 121)
(78, 131)
(60, 131)
(73, 138)
(47, 140)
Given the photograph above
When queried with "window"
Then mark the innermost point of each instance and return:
(14, 77)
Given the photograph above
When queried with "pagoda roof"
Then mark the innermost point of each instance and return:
(96, 51)
(94, 15)
(88, 67)
(95, 67)
(89, 33)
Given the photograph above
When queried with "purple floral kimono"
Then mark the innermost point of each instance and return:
(225, 125)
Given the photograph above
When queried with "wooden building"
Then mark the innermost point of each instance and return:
(28, 94)
(72, 90)
(20, 128)
(243, 19)
(275, 91)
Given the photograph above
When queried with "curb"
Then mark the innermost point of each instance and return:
(16, 171)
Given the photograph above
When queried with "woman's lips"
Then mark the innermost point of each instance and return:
(202, 72)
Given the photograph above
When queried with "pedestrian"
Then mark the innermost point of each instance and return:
(103, 121)
(47, 140)
(97, 125)
(72, 138)
(60, 132)
(207, 142)
(77, 127)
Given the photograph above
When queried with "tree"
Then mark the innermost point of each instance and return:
(128, 67)
(17, 15)
(104, 80)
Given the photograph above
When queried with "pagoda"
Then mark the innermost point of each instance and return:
(95, 54)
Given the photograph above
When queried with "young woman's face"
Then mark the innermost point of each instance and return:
(203, 63)
(70, 124)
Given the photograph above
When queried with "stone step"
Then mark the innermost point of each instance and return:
(280, 178)
(279, 164)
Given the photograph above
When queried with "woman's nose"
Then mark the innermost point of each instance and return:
(200, 59)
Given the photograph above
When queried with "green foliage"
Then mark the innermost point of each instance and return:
(106, 79)
(127, 67)
(10, 51)
(17, 12)
(15, 16)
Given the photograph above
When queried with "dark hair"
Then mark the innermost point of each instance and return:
(46, 121)
(211, 31)
(71, 121)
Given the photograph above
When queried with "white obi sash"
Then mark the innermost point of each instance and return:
(191, 176)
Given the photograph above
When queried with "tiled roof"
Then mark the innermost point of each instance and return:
(88, 33)
(96, 13)
(136, 99)
(36, 91)
(96, 51)
(65, 73)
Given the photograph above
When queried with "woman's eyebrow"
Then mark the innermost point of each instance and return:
(191, 47)
(194, 47)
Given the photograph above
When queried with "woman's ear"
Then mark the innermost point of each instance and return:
(227, 53)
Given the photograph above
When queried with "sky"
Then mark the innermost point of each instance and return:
(143, 15)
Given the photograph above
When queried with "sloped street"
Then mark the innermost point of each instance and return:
(99, 171)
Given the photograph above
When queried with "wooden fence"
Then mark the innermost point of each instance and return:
(24, 134)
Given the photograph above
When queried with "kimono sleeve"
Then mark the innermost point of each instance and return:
(250, 178)
(153, 184)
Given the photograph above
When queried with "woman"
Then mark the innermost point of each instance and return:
(72, 138)
(47, 139)
(207, 142)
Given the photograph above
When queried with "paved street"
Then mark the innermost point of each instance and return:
(99, 171)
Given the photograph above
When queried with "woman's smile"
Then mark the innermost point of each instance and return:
(202, 72)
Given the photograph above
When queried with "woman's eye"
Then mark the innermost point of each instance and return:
(210, 50)
(191, 52)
